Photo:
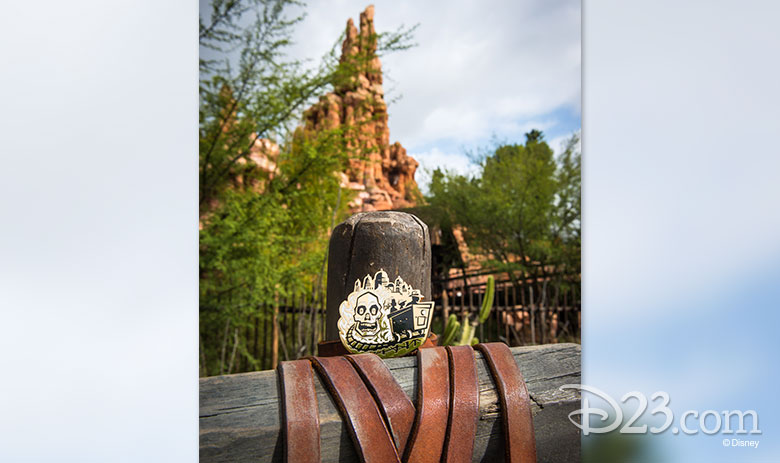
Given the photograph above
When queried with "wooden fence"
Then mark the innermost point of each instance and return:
(292, 328)
(524, 312)
(287, 330)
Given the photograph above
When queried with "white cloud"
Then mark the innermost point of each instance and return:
(478, 70)
(431, 159)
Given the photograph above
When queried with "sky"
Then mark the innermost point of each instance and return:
(479, 72)
(681, 227)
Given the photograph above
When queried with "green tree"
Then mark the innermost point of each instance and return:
(567, 213)
(521, 210)
(263, 228)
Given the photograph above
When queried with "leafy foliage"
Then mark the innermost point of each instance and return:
(264, 215)
(521, 209)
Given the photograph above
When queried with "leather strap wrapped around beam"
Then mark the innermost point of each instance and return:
(464, 405)
(300, 412)
(384, 424)
(395, 406)
(519, 438)
(426, 443)
(365, 423)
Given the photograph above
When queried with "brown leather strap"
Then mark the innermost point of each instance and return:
(464, 405)
(519, 439)
(299, 412)
(433, 402)
(372, 440)
(395, 406)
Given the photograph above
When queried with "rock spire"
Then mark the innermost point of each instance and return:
(382, 173)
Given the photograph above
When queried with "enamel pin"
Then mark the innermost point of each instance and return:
(383, 317)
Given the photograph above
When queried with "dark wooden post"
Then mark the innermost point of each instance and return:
(395, 242)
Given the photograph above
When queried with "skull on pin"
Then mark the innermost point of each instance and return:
(384, 317)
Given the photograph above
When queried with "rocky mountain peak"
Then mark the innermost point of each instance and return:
(382, 173)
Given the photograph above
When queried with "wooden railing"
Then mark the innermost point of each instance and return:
(239, 414)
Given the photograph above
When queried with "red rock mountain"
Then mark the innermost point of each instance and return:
(382, 174)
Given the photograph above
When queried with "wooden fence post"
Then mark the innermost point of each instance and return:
(444, 306)
(533, 315)
(275, 335)
(367, 242)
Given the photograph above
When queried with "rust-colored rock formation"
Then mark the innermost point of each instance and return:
(381, 173)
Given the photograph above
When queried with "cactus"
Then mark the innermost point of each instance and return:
(450, 329)
(467, 333)
(467, 327)
(487, 301)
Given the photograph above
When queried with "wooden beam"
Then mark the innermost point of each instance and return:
(239, 414)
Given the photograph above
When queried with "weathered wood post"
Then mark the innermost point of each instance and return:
(366, 243)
